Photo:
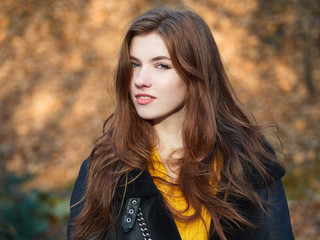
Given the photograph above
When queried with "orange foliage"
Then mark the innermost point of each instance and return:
(57, 59)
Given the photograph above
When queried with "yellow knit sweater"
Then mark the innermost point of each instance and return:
(197, 229)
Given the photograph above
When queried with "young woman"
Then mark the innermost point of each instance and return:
(179, 158)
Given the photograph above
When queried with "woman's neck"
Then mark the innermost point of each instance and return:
(170, 142)
(169, 131)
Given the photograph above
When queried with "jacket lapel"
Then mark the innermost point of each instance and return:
(159, 220)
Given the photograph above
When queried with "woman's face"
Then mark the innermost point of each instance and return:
(156, 89)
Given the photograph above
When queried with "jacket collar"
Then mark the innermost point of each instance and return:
(140, 185)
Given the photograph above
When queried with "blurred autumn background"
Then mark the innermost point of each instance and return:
(56, 65)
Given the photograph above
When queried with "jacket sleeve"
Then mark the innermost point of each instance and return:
(278, 213)
(76, 201)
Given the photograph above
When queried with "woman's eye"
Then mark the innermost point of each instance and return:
(134, 64)
(162, 66)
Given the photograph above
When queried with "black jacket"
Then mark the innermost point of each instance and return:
(160, 223)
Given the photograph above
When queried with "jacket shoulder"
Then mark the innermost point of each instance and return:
(77, 196)
(274, 170)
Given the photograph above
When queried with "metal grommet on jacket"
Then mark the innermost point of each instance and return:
(130, 214)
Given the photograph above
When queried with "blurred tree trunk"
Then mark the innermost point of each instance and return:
(308, 61)
(305, 9)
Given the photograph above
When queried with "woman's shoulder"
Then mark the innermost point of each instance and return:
(274, 170)
(84, 168)
(80, 184)
(77, 196)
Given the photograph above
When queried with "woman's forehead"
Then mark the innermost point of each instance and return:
(148, 46)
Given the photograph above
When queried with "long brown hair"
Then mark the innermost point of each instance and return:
(215, 130)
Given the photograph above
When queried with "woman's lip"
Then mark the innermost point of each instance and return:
(144, 98)
(144, 95)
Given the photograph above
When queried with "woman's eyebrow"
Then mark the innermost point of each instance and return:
(153, 59)
(160, 58)
(134, 58)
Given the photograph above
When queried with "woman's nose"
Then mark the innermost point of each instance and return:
(142, 78)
